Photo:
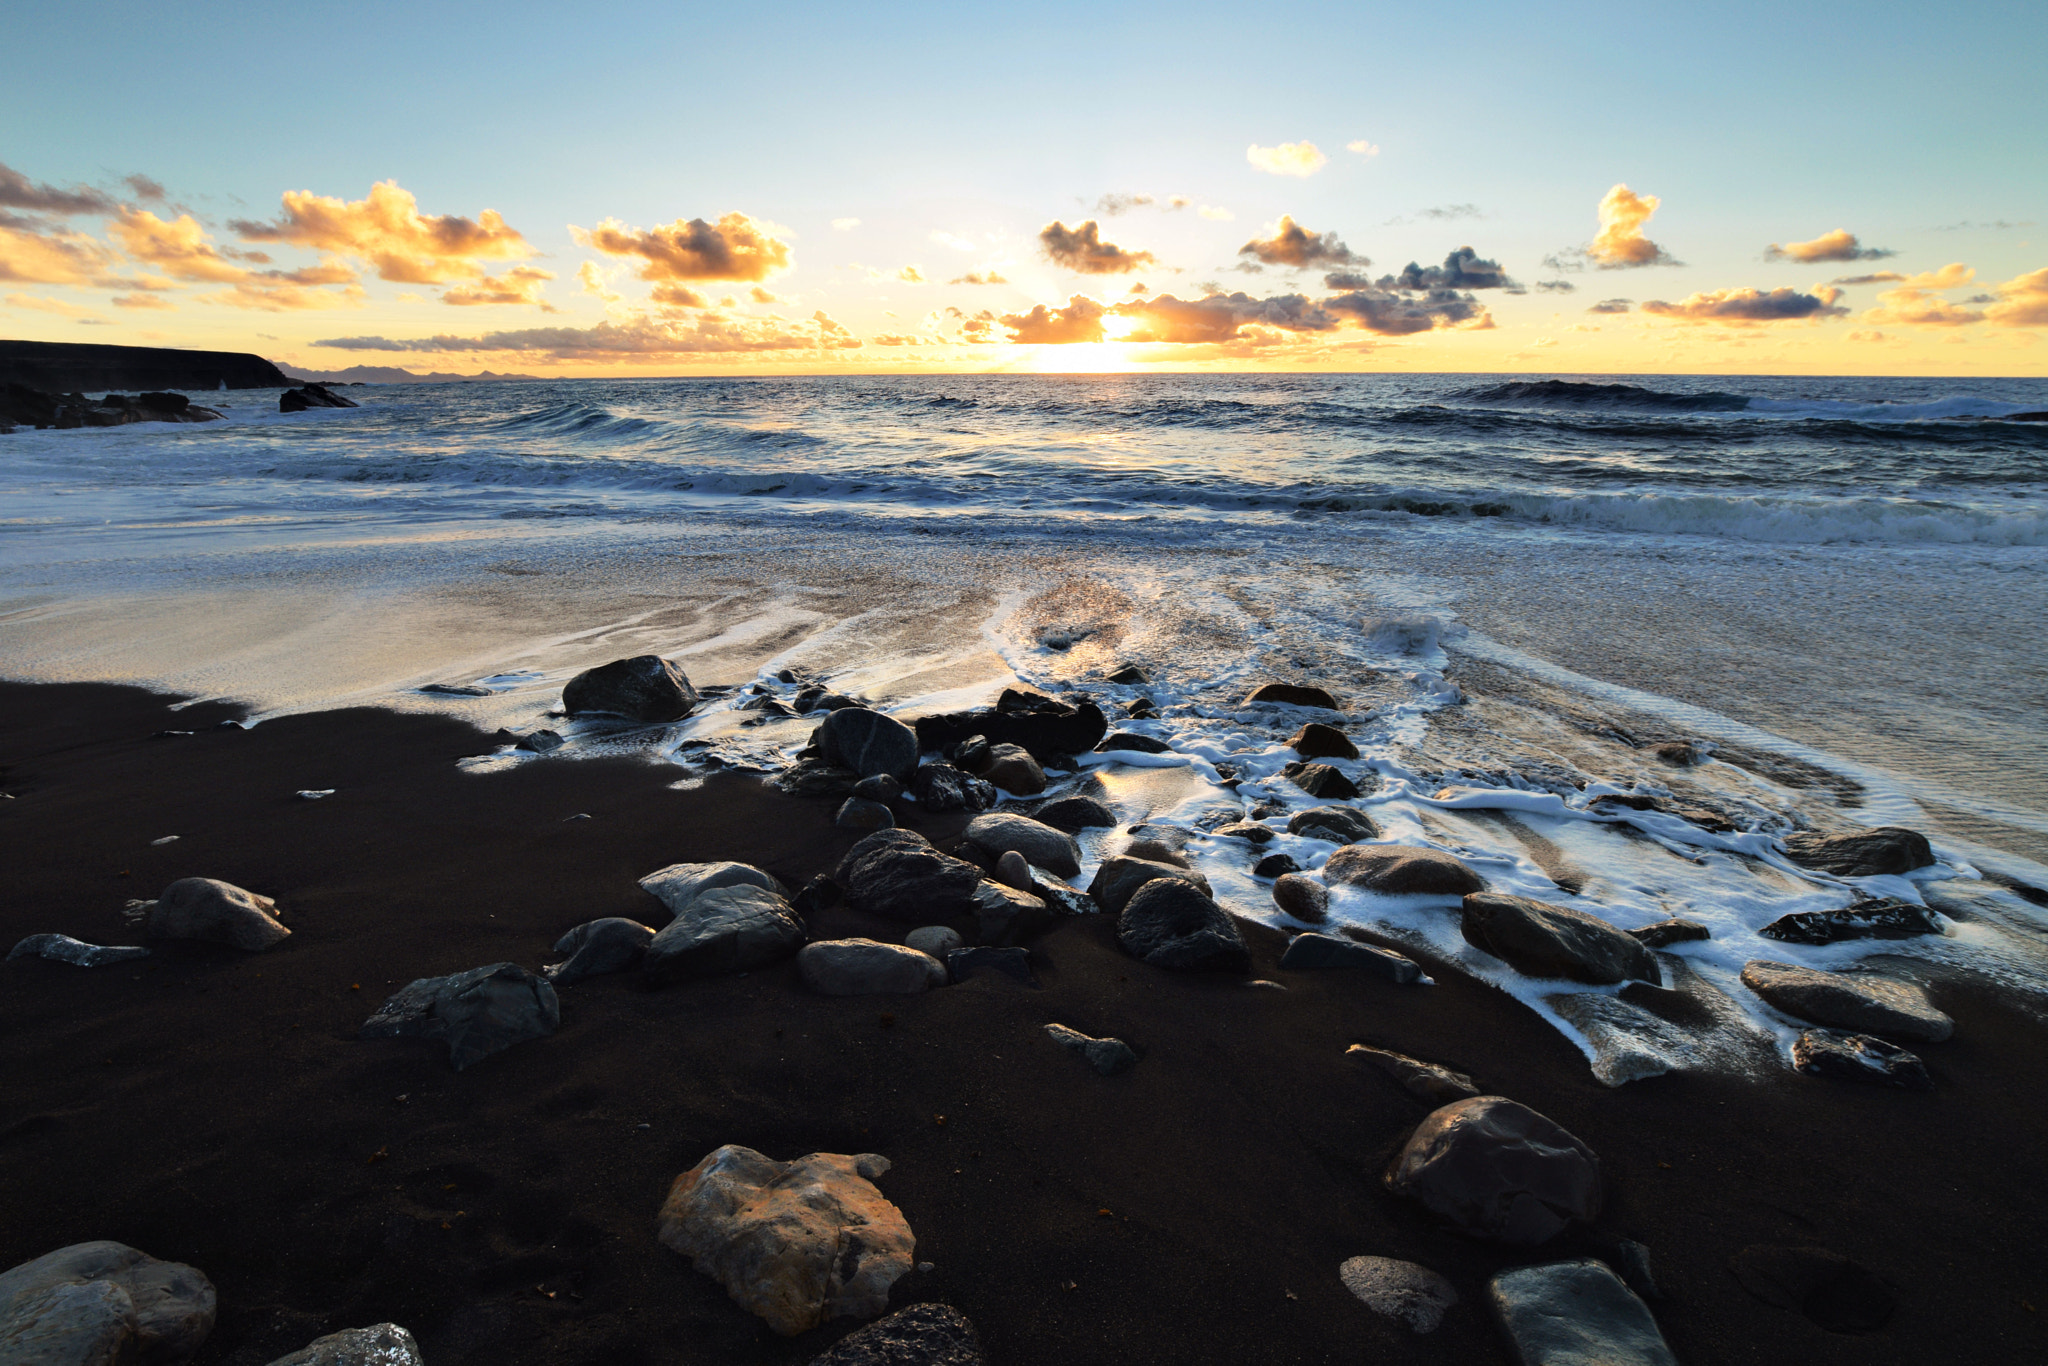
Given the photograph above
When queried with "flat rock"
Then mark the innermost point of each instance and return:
(1302, 897)
(1866, 853)
(643, 688)
(1859, 1001)
(1394, 1289)
(922, 1335)
(214, 912)
(456, 689)
(1429, 1082)
(1494, 1168)
(1106, 1056)
(476, 1013)
(1401, 870)
(1310, 951)
(1011, 962)
(385, 1344)
(1292, 695)
(677, 885)
(1337, 824)
(858, 813)
(102, 1304)
(1859, 1057)
(936, 940)
(868, 742)
(1074, 813)
(1009, 915)
(1322, 780)
(1119, 878)
(725, 930)
(1865, 920)
(999, 832)
(1012, 769)
(62, 948)
(598, 947)
(867, 967)
(1171, 923)
(1539, 939)
(898, 875)
(1825, 1286)
(1663, 934)
(1576, 1313)
(1318, 741)
(794, 1242)
(942, 787)
(1131, 740)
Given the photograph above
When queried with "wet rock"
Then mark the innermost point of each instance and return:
(727, 929)
(1302, 897)
(1664, 933)
(856, 813)
(1680, 753)
(1074, 813)
(540, 742)
(1131, 740)
(456, 689)
(817, 894)
(1865, 920)
(1400, 1290)
(62, 948)
(1060, 896)
(1432, 1083)
(598, 947)
(1318, 741)
(1119, 878)
(1170, 923)
(1337, 824)
(794, 1242)
(868, 742)
(386, 1344)
(102, 1304)
(897, 874)
(1156, 851)
(1245, 830)
(1288, 694)
(922, 1335)
(936, 940)
(1321, 780)
(1401, 869)
(1539, 939)
(1858, 1001)
(999, 833)
(1496, 1169)
(1131, 676)
(1142, 710)
(1014, 870)
(1012, 769)
(883, 787)
(813, 777)
(1050, 729)
(642, 688)
(312, 396)
(476, 1013)
(1008, 915)
(1011, 962)
(817, 699)
(1859, 1057)
(1310, 951)
(1825, 1286)
(867, 967)
(1275, 866)
(1576, 1314)
(677, 885)
(942, 787)
(970, 755)
(1106, 1056)
(1867, 853)
(214, 912)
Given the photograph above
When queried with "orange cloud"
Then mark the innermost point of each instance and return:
(1079, 321)
(1082, 250)
(1839, 245)
(738, 248)
(1916, 302)
(978, 277)
(56, 256)
(140, 301)
(2022, 301)
(1621, 243)
(388, 230)
(519, 285)
(1219, 318)
(1294, 246)
(1289, 158)
(42, 305)
(640, 339)
(672, 295)
(177, 247)
(1742, 307)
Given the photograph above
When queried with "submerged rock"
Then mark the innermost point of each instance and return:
(476, 1013)
(386, 1344)
(867, 967)
(727, 929)
(1864, 920)
(1543, 940)
(1496, 1169)
(1860, 1001)
(642, 688)
(62, 948)
(1859, 1057)
(1318, 741)
(1402, 870)
(214, 912)
(1119, 878)
(102, 1304)
(1866, 853)
(868, 742)
(897, 874)
(598, 947)
(1400, 1290)
(922, 1335)
(1576, 1313)
(1107, 1056)
(1337, 824)
(1170, 923)
(999, 833)
(1431, 1083)
(1310, 951)
(1245, 830)
(312, 396)
(677, 885)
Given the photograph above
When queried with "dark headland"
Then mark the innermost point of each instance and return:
(68, 367)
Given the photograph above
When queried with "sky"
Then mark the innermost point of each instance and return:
(675, 189)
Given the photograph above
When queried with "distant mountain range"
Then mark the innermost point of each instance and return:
(391, 374)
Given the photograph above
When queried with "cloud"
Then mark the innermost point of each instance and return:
(669, 294)
(1462, 269)
(911, 275)
(1863, 335)
(16, 192)
(1449, 211)
(1079, 321)
(978, 277)
(1916, 300)
(1740, 307)
(143, 188)
(954, 240)
(519, 285)
(894, 339)
(1114, 204)
(1839, 245)
(1217, 215)
(1555, 286)
(1362, 147)
(1880, 277)
(1289, 158)
(140, 301)
(1295, 247)
(50, 256)
(1997, 225)
(1083, 250)
(1177, 202)
(1612, 306)
(642, 339)
(1954, 275)
(845, 224)
(737, 248)
(42, 305)
(1620, 244)
(178, 247)
(1220, 317)
(762, 296)
(2022, 301)
(1398, 315)
(387, 230)
(593, 279)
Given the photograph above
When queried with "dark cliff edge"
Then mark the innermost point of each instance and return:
(68, 367)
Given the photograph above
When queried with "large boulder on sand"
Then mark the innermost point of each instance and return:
(795, 1242)
(214, 912)
(897, 874)
(677, 885)
(643, 688)
(1401, 870)
(386, 1344)
(1543, 940)
(1049, 728)
(922, 1335)
(1858, 1001)
(1496, 1169)
(1576, 1313)
(1119, 878)
(868, 743)
(102, 1304)
(728, 929)
(597, 947)
(867, 967)
(1865, 853)
(476, 1013)
(1171, 924)
(999, 833)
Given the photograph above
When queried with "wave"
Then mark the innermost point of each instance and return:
(1581, 394)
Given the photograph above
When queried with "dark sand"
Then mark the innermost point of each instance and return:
(217, 1109)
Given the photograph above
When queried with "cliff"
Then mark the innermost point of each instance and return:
(65, 367)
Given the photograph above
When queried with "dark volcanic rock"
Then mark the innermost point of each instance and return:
(1321, 780)
(942, 787)
(728, 929)
(1865, 920)
(1131, 675)
(869, 743)
(1119, 878)
(1013, 769)
(1664, 933)
(1576, 1314)
(1302, 897)
(1172, 924)
(1430, 1082)
(1859, 1057)
(1861, 1001)
(596, 947)
(1290, 695)
(1825, 1286)
(1011, 961)
(1106, 1056)
(816, 778)
(22, 406)
(642, 688)
(1008, 915)
(1683, 753)
(1050, 729)
(476, 1013)
(1337, 824)
(1496, 1169)
(897, 874)
(102, 1304)
(1868, 853)
(1245, 830)
(62, 948)
(867, 967)
(1326, 951)
(1400, 869)
(1074, 813)
(922, 1335)
(384, 1344)
(971, 755)
(312, 396)
(540, 742)
(882, 787)
(1318, 741)
(1275, 866)
(858, 813)
(1544, 940)
(1131, 740)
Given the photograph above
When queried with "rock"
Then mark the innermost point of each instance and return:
(1014, 870)
(942, 787)
(643, 688)
(922, 1335)
(883, 787)
(1859, 1001)
(1539, 939)
(936, 940)
(384, 1345)
(1868, 853)
(1012, 769)
(1049, 728)
(999, 832)
(727, 929)
(1681, 753)
(1275, 866)
(1302, 897)
(540, 742)
(1131, 676)
(677, 885)
(816, 699)
(1664, 933)
(856, 813)
(971, 755)
(1576, 1314)
(1631, 1260)
(1170, 923)
(1061, 897)
(1245, 830)
(62, 948)
(1825, 1286)
(1401, 870)
(1864, 920)
(214, 912)
(867, 967)
(1321, 780)
(1400, 1290)
(1014, 963)
(1106, 1056)
(1859, 1057)
(456, 689)
(1119, 878)
(1289, 695)
(794, 1242)
(897, 874)
(1131, 740)
(312, 396)
(102, 1304)
(1311, 951)
(1497, 1169)
(868, 742)
(1318, 741)
(1431, 1083)
(813, 777)
(1074, 813)
(817, 894)
(1006, 915)
(1156, 851)
(598, 947)
(476, 1013)
(1337, 824)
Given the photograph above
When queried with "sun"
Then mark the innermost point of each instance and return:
(1083, 358)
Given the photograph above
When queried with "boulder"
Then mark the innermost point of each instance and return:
(1275, 866)
(1318, 741)
(1576, 1313)
(102, 1304)
(1400, 1290)
(677, 885)
(386, 1344)
(1496, 1169)
(1050, 729)
(1008, 915)
(1401, 870)
(1310, 951)
(794, 1242)
(970, 755)
(897, 874)
(214, 912)
(1012, 769)
(1539, 939)
(1432, 1083)
(1011, 962)
(1858, 1001)
(1825, 1286)
(62, 948)
(999, 833)
(1119, 878)
(1867, 853)
(540, 742)
(922, 1335)
(813, 777)
(936, 940)
(1131, 740)
(942, 787)
(1337, 824)
(868, 742)
(1321, 780)
(1302, 897)
(476, 1013)
(598, 947)
(312, 396)
(642, 688)
(728, 929)
(1014, 870)
(867, 967)
(883, 787)
(1074, 813)
(1663, 934)
(1864, 920)
(1156, 851)
(1170, 923)
(1859, 1057)
(1291, 695)
(1244, 830)
(857, 813)
(1106, 1056)
(1131, 676)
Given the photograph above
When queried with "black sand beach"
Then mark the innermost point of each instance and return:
(217, 1109)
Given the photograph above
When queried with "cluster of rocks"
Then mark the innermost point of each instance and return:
(312, 396)
(199, 910)
(22, 406)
